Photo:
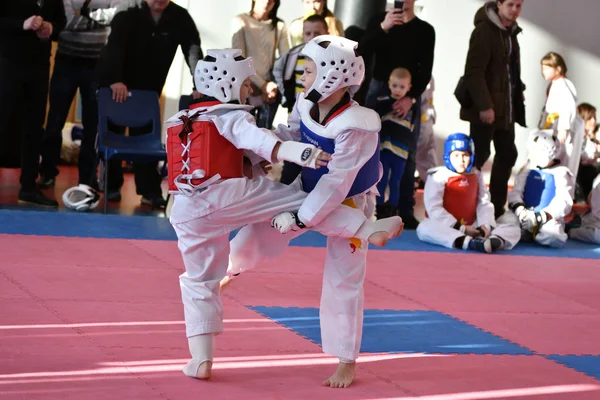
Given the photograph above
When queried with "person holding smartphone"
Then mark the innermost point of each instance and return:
(399, 39)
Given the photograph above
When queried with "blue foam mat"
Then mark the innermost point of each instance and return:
(589, 365)
(391, 331)
(93, 225)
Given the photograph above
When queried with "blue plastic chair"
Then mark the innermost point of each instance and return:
(140, 109)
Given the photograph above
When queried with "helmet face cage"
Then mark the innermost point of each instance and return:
(542, 148)
(223, 77)
(338, 66)
(459, 142)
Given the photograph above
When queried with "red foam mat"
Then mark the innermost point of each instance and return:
(100, 318)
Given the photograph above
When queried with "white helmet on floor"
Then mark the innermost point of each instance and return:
(338, 66)
(221, 76)
(542, 148)
(81, 198)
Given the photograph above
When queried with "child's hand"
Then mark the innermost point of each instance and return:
(323, 159)
(303, 154)
(485, 231)
(45, 31)
(470, 230)
(266, 166)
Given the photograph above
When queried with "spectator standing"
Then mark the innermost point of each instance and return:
(26, 27)
(260, 34)
(79, 47)
(399, 38)
(493, 81)
(142, 44)
(560, 111)
(289, 68)
(315, 7)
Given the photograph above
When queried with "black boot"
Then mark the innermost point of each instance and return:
(36, 197)
(410, 222)
(392, 210)
(46, 182)
(382, 210)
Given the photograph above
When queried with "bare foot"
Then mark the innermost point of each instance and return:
(225, 282)
(202, 371)
(343, 377)
(380, 238)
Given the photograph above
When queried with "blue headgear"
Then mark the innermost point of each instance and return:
(458, 142)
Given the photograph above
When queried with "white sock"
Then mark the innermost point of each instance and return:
(465, 245)
(202, 348)
(346, 361)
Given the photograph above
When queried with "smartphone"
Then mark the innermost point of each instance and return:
(399, 5)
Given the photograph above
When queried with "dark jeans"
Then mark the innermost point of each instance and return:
(24, 87)
(147, 177)
(393, 168)
(406, 201)
(66, 78)
(506, 156)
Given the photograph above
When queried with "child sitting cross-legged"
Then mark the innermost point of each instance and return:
(543, 193)
(457, 202)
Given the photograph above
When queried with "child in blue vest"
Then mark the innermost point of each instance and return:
(543, 193)
(459, 212)
(325, 116)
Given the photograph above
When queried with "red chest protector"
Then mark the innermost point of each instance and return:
(460, 197)
(198, 155)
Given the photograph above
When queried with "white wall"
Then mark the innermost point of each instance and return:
(565, 27)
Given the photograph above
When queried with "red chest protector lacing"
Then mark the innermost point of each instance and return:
(198, 155)
(460, 197)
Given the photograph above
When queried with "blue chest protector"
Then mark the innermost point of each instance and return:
(540, 189)
(367, 177)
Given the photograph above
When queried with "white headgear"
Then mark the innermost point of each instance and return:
(542, 148)
(338, 66)
(223, 77)
(81, 198)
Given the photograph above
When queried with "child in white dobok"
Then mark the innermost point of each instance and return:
(426, 156)
(460, 214)
(543, 193)
(326, 116)
(213, 195)
(589, 228)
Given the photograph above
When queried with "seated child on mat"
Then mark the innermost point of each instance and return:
(543, 193)
(457, 202)
(588, 228)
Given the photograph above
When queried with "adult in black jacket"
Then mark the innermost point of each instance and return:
(493, 80)
(26, 28)
(142, 44)
(400, 39)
